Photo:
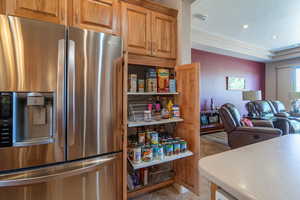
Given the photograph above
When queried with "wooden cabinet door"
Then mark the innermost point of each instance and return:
(136, 29)
(98, 15)
(164, 35)
(45, 10)
(188, 85)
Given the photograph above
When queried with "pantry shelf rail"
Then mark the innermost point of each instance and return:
(156, 162)
(150, 123)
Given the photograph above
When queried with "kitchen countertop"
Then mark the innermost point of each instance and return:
(268, 170)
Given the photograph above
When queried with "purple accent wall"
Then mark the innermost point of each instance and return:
(214, 70)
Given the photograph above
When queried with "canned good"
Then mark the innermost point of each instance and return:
(154, 138)
(183, 146)
(136, 154)
(176, 111)
(160, 152)
(169, 149)
(155, 151)
(142, 137)
(177, 148)
(147, 154)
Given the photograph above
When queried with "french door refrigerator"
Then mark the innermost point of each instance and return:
(60, 112)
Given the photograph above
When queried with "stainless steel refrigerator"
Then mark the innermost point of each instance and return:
(60, 112)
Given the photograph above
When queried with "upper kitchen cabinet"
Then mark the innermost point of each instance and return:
(97, 15)
(164, 35)
(46, 10)
(136, 29)
(149, 29)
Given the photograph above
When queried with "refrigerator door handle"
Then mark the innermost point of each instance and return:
(71, 113)
(60, 122)
(46, 174)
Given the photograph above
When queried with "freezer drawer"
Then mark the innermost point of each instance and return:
(93, 179)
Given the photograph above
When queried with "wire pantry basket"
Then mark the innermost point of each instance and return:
(136, 111)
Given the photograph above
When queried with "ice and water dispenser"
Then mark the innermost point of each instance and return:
(26, 118)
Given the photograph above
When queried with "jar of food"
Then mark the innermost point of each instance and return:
(147, 115)
(137, 154)
(148, 137)
(154, 137)
(176, 146)
(147, 155)
(142, 137)
(183, 146)
(165, 114)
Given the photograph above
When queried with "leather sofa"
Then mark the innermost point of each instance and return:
(275, 111)
(280, 110)
(295, 108)
(239, 135)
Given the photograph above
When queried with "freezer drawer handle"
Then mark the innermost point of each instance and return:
(46, 174)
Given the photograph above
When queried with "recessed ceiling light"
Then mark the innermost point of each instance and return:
(245, 26)
(274, 37)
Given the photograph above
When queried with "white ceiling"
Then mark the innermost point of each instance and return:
(266, 18)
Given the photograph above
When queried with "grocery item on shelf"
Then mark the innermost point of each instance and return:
(147, 116)
(151, 80)
(163, 80)
(170, 106)
(142, 136)
(147, 154)
(132, 82)
(172, 83)
(154, 144)
(141, 85)
(176, 111)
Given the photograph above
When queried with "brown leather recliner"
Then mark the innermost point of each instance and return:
(295, 108)
(264, 110)
(280, 110)
(239, 135)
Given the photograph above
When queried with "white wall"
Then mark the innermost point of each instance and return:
(272, 88)
(183, 29)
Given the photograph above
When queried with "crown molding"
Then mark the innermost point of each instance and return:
(286, 54)
(210, 42)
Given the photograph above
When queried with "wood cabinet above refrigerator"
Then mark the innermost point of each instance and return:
(97, 15)
(50, 11)
(149, 29)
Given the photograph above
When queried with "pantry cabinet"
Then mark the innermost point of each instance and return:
(136, 29)
(147, 32)
(164, 35)
(51, 11)
(98, 15)
(181, 127)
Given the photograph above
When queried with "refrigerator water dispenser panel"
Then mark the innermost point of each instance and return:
(5, 119)
(33, 118)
